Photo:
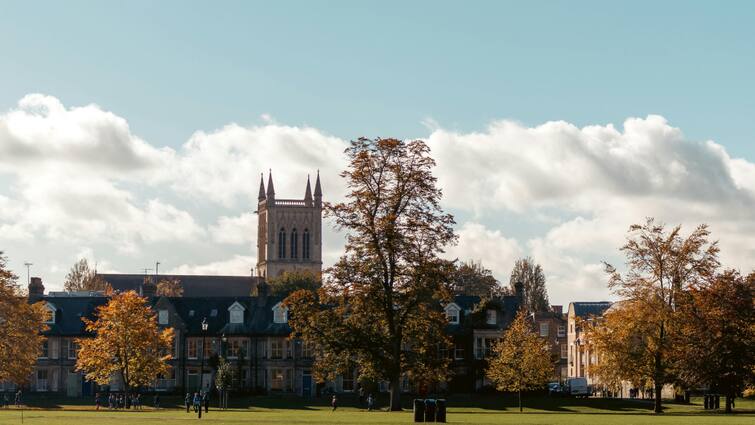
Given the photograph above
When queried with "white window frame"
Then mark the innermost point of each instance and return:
(545, 326)
(51, 311)
(561, 331)
(162, 317)
(280, 314)
(236, 313)
(453, 313)
(44, 352)
(491, 316)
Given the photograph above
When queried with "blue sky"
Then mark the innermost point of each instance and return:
(164, 114)
(381, 68)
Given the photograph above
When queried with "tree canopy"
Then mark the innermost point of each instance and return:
(472, 278)
(21, 326)
(522, 360)
(127, 343)
(170, 287)
(379, 310)
(81, 277)
(289, 282)
(531, 276)
(660, 266)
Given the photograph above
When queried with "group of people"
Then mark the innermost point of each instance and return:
(197, 400)
(119, 401)
(5, 400)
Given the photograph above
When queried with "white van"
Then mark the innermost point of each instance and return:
(577, 387)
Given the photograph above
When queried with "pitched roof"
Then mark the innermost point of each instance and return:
(585, 309)
(69, 311)
(193, 285)
(507, 306)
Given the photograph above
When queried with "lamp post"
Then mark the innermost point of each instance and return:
(201, 367)
(223, 341)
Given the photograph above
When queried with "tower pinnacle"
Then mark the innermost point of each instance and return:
(261, 196)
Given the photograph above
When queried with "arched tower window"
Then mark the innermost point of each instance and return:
(282, 243)
(294, 243)
(305, 244)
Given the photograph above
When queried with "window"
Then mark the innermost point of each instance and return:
(452, 314)
(276, 348)
(490, 317)
(237, 346)
(71, 348)
(564, 351)
(294, 243)
(307, 350)
(277, 379)
(280, 314)
(45, 353)
(191, 313)
(459, 352)
(484, 347)
(561, 331)
(237, 313)
(544, 329)
(282, 243)
(348, 381)
(305, 244)
(49, 313)
(162, 317)
(192, 346)
(42, 380)
(214, 312)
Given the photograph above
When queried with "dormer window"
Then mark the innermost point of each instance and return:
(50, 313)
(280, 313)
(236, 312)
(490, 317)
(162, 317)
(452, 313)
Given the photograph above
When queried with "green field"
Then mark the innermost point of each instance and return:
(264, 410)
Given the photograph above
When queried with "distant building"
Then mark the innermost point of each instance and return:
(580, 356)
(551, 326)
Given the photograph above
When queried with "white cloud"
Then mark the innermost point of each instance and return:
(491, 247)
(238, 230)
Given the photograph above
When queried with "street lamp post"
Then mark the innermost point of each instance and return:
(201, 367)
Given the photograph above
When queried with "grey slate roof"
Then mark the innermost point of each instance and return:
(585, 309)
(193, 285)
(506, 306)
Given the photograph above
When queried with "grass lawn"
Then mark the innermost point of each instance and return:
(480, 410)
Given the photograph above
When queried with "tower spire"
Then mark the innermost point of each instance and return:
(308, 193)
(270, 188)
(318, 191)
(261, 196)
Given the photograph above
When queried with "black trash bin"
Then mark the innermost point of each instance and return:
(419, 410)
(706, 401)
(430, 406)
(440, 410)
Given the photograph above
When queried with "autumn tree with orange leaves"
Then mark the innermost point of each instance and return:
(21, 326)
(126, 342)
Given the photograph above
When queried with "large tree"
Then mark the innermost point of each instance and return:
(532, 277)
(81, 277)
(379, 311)
(522, 359)
(660, 266)
(126, 342)
(21, 326)
(289, 282)
(716, 340)
(472, 278)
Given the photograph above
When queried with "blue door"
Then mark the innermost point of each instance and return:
(306, 383)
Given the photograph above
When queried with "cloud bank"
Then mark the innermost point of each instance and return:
(77, 178)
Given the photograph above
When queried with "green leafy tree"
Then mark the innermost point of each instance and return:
(379, 309)
(224, 380)
(532, 277)
(522, 360)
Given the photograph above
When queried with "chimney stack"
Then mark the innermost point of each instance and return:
(558, 309)
(36, 289)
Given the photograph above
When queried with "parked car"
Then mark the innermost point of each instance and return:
(554, 388)
(577, 387)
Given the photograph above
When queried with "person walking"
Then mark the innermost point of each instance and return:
(334, 403)
(18, 398)
(206, 401)
(370, 403)
(197, 402)
(187, 401)
(97, 401)
(156, 401)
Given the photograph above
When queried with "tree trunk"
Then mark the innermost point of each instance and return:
(520, 401)
(658, 381)
(395, 388)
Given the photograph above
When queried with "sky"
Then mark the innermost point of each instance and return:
(135, 132)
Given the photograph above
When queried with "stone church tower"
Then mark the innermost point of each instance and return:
(289, 234)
